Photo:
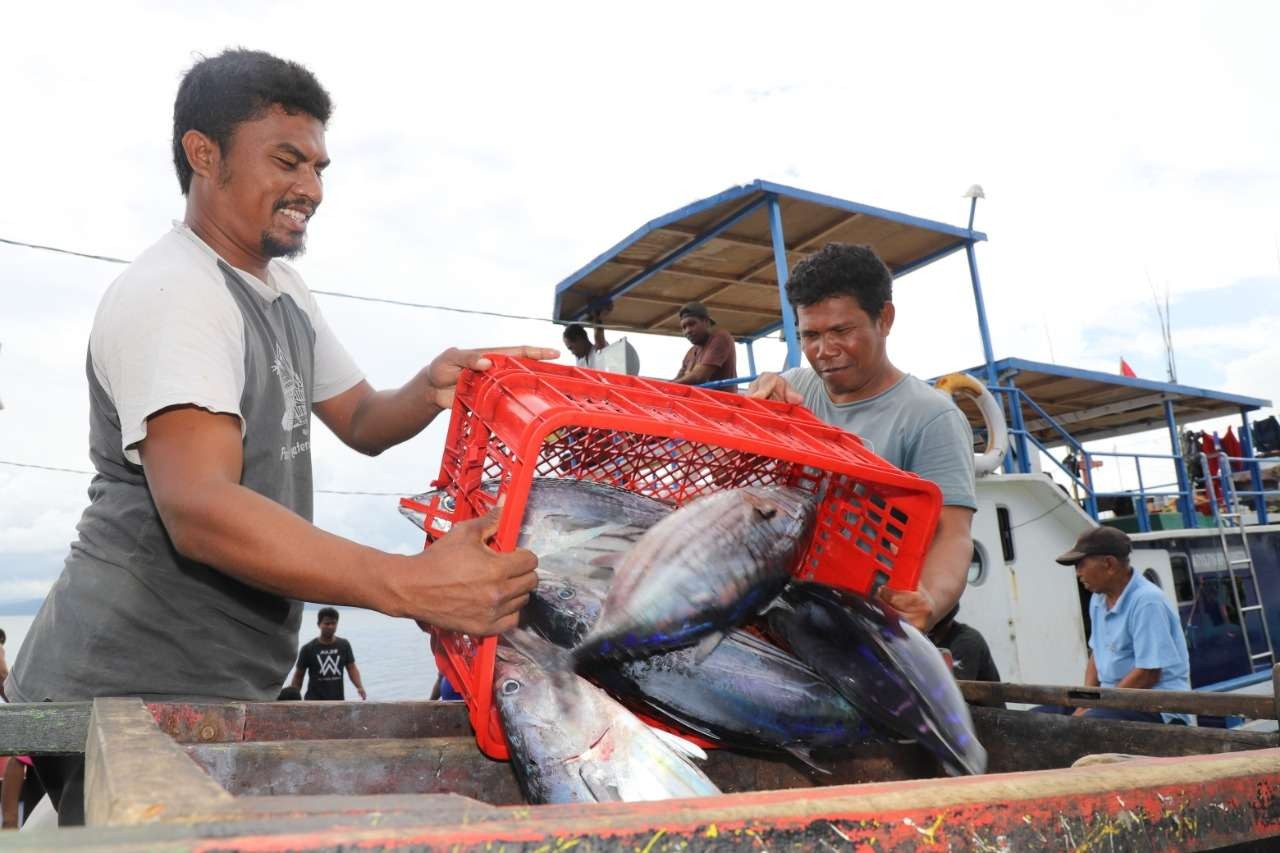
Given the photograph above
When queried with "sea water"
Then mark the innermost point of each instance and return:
(393, 654)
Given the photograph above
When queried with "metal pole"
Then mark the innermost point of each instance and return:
(1019, 424)
(982, 313)
(1144, 522)
(751, 358)
(1185, 503)
(780, 262)
(1090, 498)
(1255, 474)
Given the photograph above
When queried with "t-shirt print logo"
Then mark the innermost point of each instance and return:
(295, 395)
(329, 664)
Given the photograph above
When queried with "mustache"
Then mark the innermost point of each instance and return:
(302, 203)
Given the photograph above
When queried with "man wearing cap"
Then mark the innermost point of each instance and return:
(712, 355)
(1136, 639)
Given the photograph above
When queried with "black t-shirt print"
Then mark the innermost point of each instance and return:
(325, 666)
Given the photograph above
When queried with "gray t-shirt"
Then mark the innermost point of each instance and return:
(129, 615)
(911, 425)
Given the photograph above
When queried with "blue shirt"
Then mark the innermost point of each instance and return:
(1140, 631)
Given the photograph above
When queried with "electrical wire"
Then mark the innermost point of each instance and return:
(35, 467)
(336, 293)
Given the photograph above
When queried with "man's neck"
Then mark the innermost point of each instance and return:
(328, 642)
(1113, 595)
(224, 245)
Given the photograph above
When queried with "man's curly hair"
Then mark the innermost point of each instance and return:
(236, 86)
(842, 269)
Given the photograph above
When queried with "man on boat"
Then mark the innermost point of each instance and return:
(843, 299)
(1135, 639)
(324, 659)
(207, 358)
(712, 355)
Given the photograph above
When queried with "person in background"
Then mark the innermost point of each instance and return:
(843, 299)
(713, 355)
(970, 656)
(324, 659)
(1135, 639)
(4, 666)
(584, 349)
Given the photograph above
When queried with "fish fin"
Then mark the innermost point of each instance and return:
(763, 507)
(706, 646)
(686, 748)
(598, 783)
(802, 753)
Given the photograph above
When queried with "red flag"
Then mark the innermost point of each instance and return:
(1126, 370)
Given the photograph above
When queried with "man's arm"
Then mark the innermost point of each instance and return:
(370, 421)
(192, 460)
(353, 672)
(943, 576)
(296, 683)
(696, 375)
(1090, 680)
(771, 386)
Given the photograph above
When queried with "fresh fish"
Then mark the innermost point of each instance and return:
(885, 667)
(700, 571)
(563, 609)
(571, 743)
(746, 692)
(576, 527)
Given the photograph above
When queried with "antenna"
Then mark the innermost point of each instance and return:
(1166, 327)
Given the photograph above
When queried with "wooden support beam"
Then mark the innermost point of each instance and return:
(685, 231)
(135, 773)
(688, 273)
(1167, 701)
(1068, 418)
(720, 306)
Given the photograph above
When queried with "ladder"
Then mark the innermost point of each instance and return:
(1227, 514)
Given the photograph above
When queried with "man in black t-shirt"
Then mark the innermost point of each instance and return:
(324, 659)
(970, 655)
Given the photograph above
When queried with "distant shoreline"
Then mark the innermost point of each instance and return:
(28, 607)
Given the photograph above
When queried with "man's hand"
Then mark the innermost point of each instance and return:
(443, 372)
(915, 606)
(461, 584)
(771, 386)
(363, 695)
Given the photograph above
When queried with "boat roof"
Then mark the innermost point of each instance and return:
(719, 251)
(1093, 405)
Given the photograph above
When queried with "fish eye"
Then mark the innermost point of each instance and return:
(510, 686)
(565, 594)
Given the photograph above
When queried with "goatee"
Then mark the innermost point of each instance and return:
(275, 248)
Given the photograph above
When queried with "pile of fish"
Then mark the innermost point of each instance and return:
(667, 611)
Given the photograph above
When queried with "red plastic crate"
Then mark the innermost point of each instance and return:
(523, 419)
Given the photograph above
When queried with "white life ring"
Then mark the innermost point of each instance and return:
(962, 384)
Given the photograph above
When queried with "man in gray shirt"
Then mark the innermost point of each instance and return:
(844, 312)
(207, 358)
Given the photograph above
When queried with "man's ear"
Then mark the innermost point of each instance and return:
(885, 321)
(202, 153)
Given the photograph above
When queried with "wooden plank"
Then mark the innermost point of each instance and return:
(446, 765)
(1025, 740)
(43, 728)
(135, 773)
(1150, 804)
(335, 720)
(1169, 701)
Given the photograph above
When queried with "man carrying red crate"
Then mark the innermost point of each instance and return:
(207, 358)
(844, 312)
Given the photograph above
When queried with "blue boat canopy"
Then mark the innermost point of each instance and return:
(1092, 405)
(720, 251)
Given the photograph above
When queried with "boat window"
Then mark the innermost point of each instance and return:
(977, 566)
(1182, 590)
(1006, 533)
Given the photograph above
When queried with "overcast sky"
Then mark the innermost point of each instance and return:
(483, 152)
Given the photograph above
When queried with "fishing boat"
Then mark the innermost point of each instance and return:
(382, 775)
(1199, 521)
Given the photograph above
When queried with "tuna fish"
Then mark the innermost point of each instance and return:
(571, 743)
(576, 527)
(885, 667)
(700, 571)
(745, 693)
